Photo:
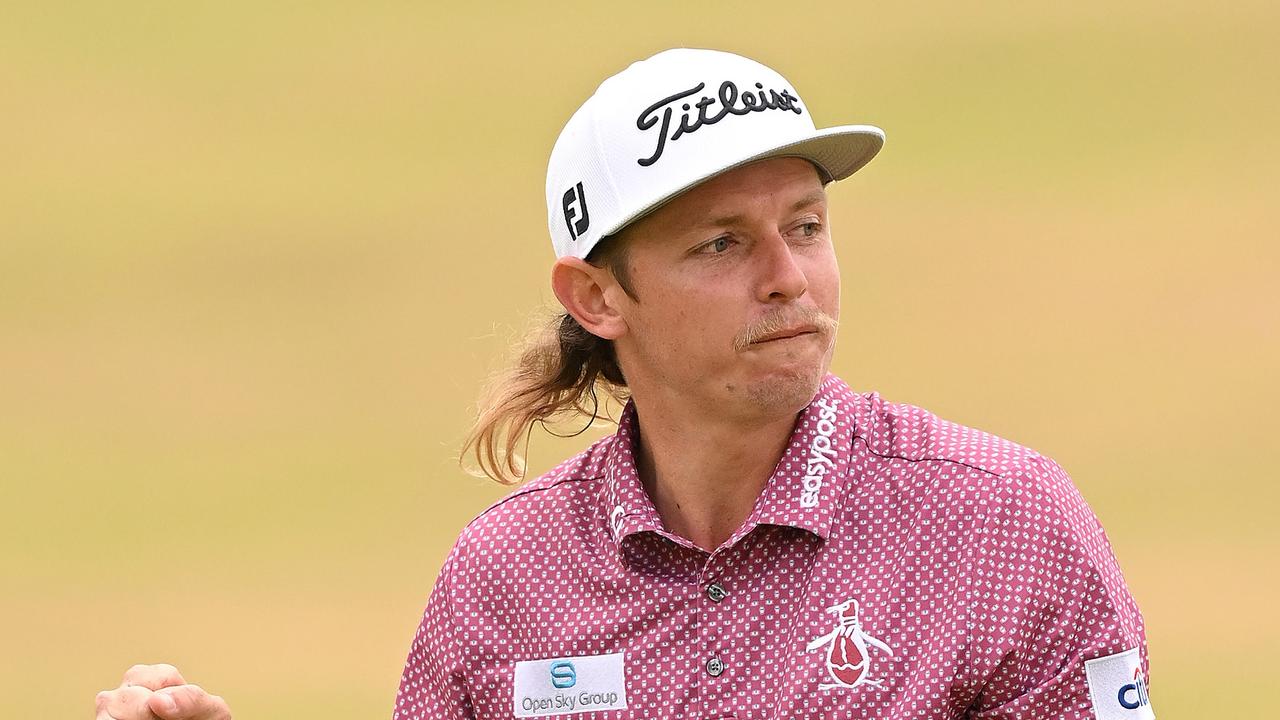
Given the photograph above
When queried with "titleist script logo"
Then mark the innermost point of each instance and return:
(698, 114)
(821, 453)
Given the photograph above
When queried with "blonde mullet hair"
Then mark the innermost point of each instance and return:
(559, 375)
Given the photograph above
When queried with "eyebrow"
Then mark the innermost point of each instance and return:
(813, 198)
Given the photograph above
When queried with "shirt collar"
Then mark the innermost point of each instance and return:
(627, 507)
(803, 491)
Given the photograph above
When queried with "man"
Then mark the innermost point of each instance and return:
(756, 540)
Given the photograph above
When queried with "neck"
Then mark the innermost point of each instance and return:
(703, 471)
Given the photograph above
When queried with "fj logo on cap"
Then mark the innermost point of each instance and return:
(729, 99)
(575, 211)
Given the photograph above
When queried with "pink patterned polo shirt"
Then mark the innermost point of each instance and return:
(896, 565)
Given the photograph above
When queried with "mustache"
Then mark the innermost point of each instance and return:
(781, 318)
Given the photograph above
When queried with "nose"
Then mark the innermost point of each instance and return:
(781, 277)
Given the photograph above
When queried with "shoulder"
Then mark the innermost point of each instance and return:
(1024, 498)
(507, 552)
(904, 431)
(541, 509)
(1000, 476)
(1029, 514)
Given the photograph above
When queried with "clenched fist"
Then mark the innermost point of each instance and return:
(149, 692)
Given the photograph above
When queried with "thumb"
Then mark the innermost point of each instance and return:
(164, 705)
(186, 702)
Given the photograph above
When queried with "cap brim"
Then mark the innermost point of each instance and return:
(841, 151)
(837, 151)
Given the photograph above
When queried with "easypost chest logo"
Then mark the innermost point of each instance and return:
(821, 453)
(563, 686)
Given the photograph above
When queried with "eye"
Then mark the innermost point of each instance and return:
(810, 229)
(717, 246)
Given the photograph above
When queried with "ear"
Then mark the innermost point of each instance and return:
(590, 294)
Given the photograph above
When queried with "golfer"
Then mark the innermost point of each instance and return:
(757, 540)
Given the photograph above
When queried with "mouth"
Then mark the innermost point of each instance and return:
(787, 334)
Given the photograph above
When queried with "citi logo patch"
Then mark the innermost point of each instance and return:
(569, 685)
(847, 650)
(576, 217)
(1116, 687)
(1134, 695)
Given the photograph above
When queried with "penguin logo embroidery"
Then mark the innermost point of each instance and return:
(848, 659)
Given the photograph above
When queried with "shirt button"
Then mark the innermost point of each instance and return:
(715, 667)
(716, 592)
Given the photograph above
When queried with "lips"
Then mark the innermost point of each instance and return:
(787, 333)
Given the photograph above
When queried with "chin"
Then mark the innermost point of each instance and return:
(788, 390)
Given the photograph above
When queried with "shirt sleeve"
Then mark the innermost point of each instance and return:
(1054, 631)
(433, 685)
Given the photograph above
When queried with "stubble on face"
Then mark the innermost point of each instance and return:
(779, 319)
(794, 387)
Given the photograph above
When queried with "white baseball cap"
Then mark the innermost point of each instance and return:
(674, 120)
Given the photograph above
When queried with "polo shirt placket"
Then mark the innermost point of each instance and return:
(780, 533)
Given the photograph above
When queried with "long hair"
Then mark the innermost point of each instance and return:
(560, 374)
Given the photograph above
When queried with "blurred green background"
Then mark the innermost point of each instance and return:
(256, 259)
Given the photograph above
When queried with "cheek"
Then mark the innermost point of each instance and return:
(698, 324)
(686, 324)
(831, 303)
(824, 284)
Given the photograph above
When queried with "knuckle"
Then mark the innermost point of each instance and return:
(189, 698)
(137, 674)
(125, 702)
(152, 677)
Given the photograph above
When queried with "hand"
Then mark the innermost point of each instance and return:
(151, 692)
